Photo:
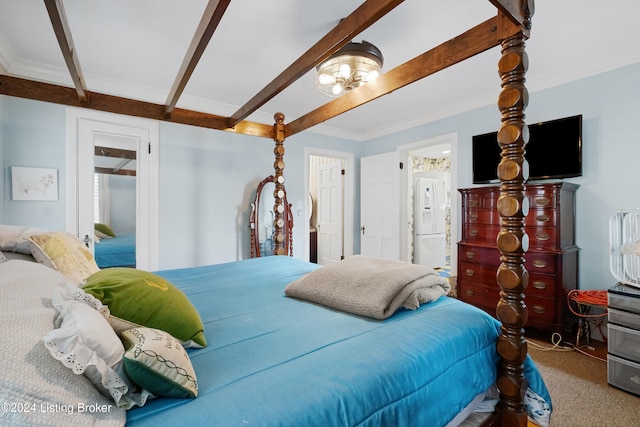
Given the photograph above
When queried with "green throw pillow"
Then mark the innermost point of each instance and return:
(105, 229)
(140, 298)
(158, 363)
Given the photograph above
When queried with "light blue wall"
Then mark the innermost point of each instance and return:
(208, 178)
(34, 135)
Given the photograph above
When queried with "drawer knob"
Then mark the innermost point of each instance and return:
(469, 254)
(473, 217)
(539, 309)
(539, 263)
(543, 236)
(473, 232)
(469, 272)
(539, 285)
(542, 201)
(470, 292)
(543, 218)
(473, 203)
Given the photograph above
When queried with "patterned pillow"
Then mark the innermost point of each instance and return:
(157, 362)
(65, 253)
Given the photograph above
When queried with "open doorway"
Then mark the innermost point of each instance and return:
(330, 187)
(428, 189)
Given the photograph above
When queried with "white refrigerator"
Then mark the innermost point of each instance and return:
(429, 222)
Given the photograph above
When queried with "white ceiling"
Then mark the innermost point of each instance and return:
(134, 48)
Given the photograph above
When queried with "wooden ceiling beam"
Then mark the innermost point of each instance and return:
(208, 23)
(359, 20)
(472, 42)
(63, 34)
(22, 88)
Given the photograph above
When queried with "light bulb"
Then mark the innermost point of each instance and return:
(373, 75)
(345, 70)
(337, 89)
(326, 79)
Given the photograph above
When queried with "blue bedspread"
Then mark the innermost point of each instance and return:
(277, 361)
(119, 251)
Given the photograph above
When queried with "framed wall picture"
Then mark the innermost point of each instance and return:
(34, 183)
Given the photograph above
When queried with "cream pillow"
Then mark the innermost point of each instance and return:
(65, 253)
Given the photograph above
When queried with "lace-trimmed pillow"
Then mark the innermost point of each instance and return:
(86, 344)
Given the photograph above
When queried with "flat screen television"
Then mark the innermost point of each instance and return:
(554, 151)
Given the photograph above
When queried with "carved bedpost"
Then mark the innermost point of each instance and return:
(278, 193)
(512, 240)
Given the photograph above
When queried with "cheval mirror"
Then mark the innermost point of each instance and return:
(261, 220)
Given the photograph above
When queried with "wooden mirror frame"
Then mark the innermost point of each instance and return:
(287, 220)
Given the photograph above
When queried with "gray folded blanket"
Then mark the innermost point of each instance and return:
(370, 287)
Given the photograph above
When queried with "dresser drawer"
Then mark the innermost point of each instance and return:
(624, 302)
(479, 254)
(541, 197)
(480, 264)
(480, 233)
(623, 342)
(541, 309)
(540, 262)
(541, 285)
(481, 199)
(479, 296)
(543, 237)
(482, 216)
(541, 218)
(478, 273)
(623, 374)
(623, 318)
(535, 218)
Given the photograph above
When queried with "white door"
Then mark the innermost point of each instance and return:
(380, 206)
(330, 212)
(84, 129)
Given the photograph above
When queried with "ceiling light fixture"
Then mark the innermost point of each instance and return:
(350, 67)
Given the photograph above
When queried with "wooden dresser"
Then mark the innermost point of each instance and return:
(552, 258)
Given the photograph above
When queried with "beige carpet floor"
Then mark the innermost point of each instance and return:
(579, 391)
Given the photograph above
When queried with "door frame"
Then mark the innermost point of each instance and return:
(404, 150)
(349, 195)
(147, 200)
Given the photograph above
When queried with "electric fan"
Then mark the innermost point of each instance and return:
(624, 256)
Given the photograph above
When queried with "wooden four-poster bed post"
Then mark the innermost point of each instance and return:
(278, 193)
(512, 239)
